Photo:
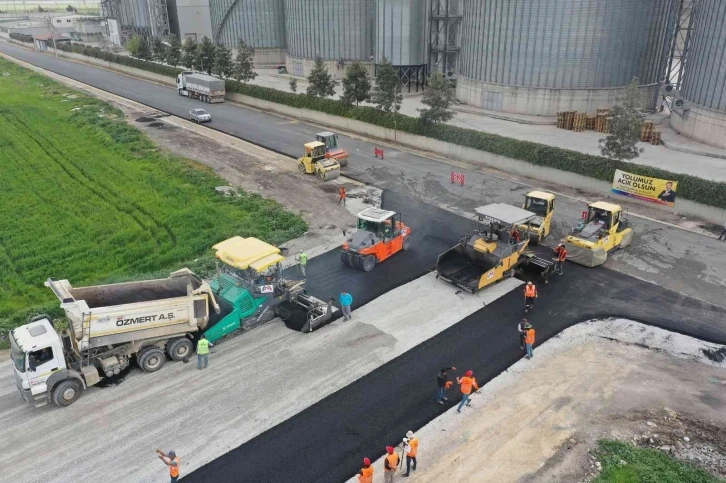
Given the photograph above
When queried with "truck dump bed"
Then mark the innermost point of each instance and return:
(106, 315)
(205, 83)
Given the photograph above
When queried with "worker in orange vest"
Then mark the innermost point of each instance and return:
(467, 383)
(390, 464)
(410, 446)
(530, 293)
(529, 339)
(560, 257)
(365, 475)
(171, 460)
(341, 195)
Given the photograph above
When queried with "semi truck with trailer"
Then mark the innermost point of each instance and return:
(204, 87)
(107, 326)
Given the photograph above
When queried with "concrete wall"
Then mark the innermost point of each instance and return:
(447, 150)
(301, 67)
(539, 101)
(701, 124)
(269, 57)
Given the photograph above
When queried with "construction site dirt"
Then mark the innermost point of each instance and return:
(284, 406)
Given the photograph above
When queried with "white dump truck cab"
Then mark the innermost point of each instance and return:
(40, 366)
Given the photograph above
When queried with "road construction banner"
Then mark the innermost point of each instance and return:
(654, 190)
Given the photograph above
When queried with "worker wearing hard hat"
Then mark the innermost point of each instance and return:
(467, 383)
(410, 448)
(560, 257)
(390, 464)
(365, 475)
(530, 293)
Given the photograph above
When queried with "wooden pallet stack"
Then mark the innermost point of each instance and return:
(601, 120)
(579, 123)
(646, 132)
(591, 123)
(655, 138)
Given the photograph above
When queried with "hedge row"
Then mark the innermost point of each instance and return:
(21, 37)
(126, 60)
(697, 189)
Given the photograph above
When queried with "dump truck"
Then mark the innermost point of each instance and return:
(314, 162)
(204, 87)
(602, 228)
(542, 204)
(108, 325)
(251, 289)
(380, 234)
(330, 139)
(489, 253)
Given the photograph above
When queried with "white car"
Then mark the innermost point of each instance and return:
(199, 115)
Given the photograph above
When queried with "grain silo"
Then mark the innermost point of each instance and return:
(401, 38)
(260, 23)
(703, 117)
(338, 31)
(544, 56)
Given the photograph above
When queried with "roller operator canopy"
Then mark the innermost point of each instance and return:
(248, 253)
(507, 214)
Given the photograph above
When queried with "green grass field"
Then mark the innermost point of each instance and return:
(87, 197)
(645, 466)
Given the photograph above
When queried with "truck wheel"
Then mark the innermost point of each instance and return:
(368, 263)
(152, 359)
(66, 392)
(406, 243)
(180, 349)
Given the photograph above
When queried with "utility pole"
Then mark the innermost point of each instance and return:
(52, 34)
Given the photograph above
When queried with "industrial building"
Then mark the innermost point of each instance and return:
(699, 110)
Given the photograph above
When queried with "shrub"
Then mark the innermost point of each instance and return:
(97, 53)
(21, 37)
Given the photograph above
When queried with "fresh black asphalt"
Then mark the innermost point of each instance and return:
(327, 441)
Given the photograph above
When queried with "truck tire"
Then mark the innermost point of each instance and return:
(66, 392)
(180, 349)
(369, 262)
(152, 359)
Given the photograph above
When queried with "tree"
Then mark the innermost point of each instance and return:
(223, 65)
(625, 125)
(356, 85)
(386, 95)
(293, 84)
(205, 55)
(438, 96)
(243, 65)
(158, 50)
(189, 53)
(173, 51)
(320, 82)
(134, 45)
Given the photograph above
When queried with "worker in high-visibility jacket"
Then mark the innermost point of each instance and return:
(467, 383)
(171, 460)
(390, 464)
(203, 352)
(560, 257)
(410, 446)
(365, 475)
(529, 339)
(530, 293)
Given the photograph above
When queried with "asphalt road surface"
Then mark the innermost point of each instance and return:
(682, 261)
(327, 441)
